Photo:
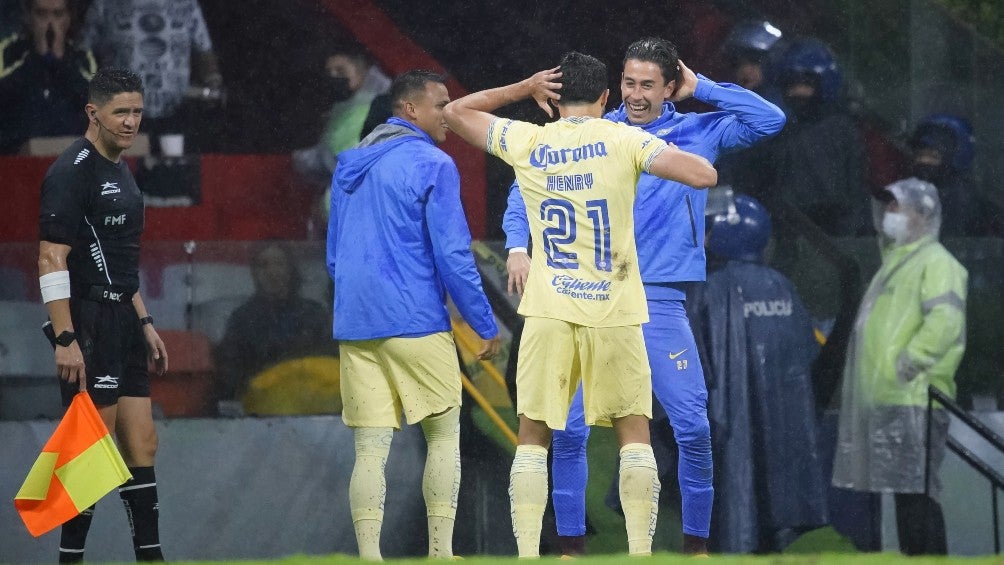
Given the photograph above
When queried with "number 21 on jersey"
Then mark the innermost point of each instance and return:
(562, 234)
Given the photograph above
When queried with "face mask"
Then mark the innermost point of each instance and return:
(894, 225)
(933, 174)
(338, 89)
(803, 108)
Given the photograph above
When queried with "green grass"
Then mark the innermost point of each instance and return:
(607, 542)
(822, 540)
(607, 536)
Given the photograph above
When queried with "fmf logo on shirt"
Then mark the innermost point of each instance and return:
(544, 155)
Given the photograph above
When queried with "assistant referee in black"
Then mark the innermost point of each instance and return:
(90, 224)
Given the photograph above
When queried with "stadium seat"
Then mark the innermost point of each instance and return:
(207, 283)
(211, 317)
(187, 388)
(13, 284)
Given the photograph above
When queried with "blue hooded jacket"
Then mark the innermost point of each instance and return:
(669, 216)
(398, 240)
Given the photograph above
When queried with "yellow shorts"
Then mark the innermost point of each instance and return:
(382, 377)
(612, 363)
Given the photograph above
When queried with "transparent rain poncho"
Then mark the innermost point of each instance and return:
(909, 333)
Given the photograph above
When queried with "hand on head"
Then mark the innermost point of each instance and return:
(686, 84)
(544, 86)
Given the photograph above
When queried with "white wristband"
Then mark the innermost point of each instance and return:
(54, 286)
(517, 250)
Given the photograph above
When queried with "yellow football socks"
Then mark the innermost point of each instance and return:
(441, 481)
(528, 497)
(368, 488)
(639, 490)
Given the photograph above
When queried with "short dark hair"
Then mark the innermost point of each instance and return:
(410, 82)
(583, 78)
(656, 50)
(109, 81)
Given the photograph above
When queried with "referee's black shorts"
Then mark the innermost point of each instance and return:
(115, 359)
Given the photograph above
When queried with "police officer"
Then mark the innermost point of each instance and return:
(758, 345)
(90, 223)
(747, 50)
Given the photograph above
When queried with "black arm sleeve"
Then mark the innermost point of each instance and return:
(62, 210)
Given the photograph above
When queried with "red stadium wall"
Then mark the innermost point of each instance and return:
(244, 197)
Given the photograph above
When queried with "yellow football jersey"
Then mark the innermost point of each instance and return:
(578, 178)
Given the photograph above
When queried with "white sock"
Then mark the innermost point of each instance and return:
(441, 481)
(639, 490)
(528, 497)
(368, 488)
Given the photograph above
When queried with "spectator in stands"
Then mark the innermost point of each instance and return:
(747, 50)
(275, 324)
(757, 344)
(817, 162)
(750, 50)
(909, 335)
(167, 43)
(43, 77)
(354, 82)
(943, 148)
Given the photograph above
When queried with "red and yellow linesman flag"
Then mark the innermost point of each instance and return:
(78, 465)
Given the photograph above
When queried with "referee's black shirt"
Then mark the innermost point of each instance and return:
(94, 206)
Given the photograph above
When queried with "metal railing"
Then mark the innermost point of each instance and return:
(995, 478)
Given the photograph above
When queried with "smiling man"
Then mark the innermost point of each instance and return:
(584, 303)
(90, 224)
(669, 229)
(397, 242)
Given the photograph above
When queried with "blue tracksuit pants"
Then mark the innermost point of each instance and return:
(678, 385)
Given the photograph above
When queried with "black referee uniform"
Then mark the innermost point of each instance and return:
(94, 206)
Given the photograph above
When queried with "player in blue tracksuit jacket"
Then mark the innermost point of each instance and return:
(397, 242)
(669, 228)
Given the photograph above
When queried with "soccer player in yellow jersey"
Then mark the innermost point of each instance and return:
(584, 303)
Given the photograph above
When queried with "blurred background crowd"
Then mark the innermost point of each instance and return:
(247, 108)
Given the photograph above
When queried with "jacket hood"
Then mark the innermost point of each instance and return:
(353, 164)
(668, 113)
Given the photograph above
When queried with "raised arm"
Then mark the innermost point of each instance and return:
(675, 164)
(747, 118)
(470, 116)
